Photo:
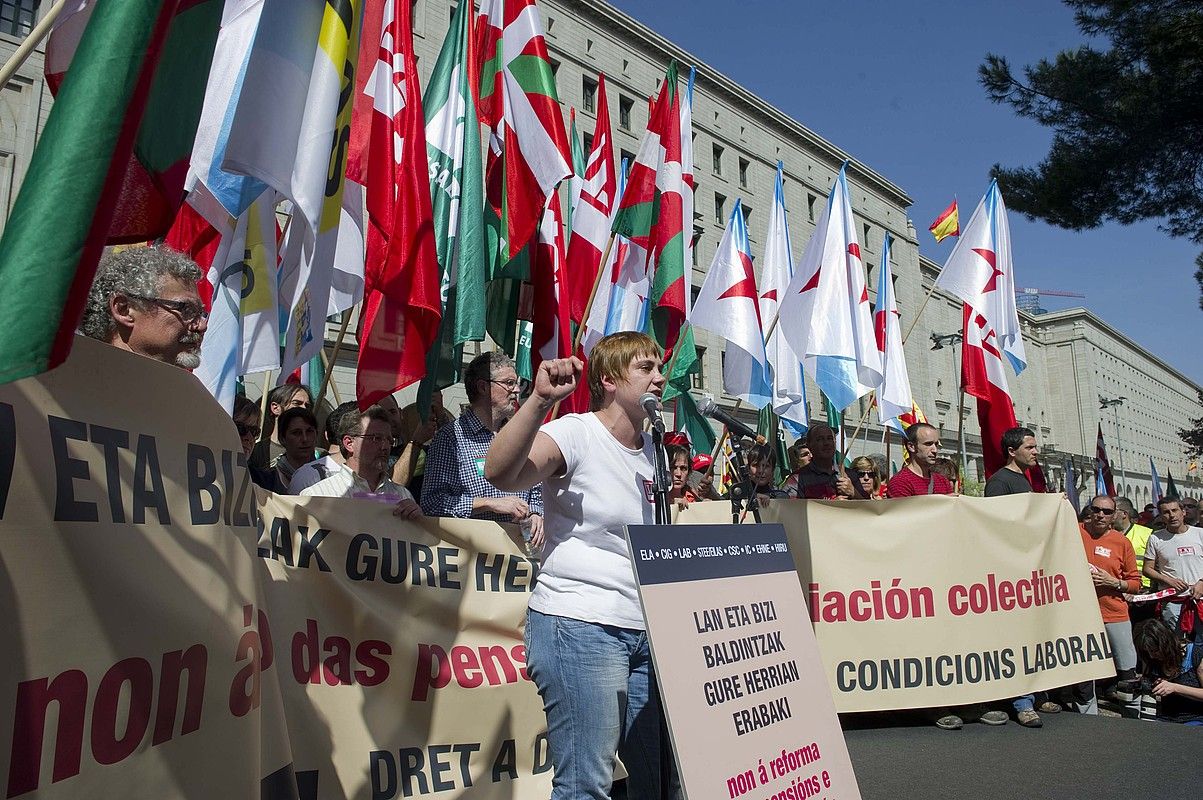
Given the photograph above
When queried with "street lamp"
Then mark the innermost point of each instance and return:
(1114, 403)
(939, 342)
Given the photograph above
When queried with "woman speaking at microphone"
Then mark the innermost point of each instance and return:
(587, 650)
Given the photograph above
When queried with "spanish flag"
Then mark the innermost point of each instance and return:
(947, 224)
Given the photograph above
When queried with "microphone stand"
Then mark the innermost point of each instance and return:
(661, 480)
(744, 491)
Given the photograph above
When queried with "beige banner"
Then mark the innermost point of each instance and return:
(130, 597)
(400, 652)
(933, 601)
(162, 644)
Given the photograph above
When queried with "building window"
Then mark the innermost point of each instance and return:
(743, 172)
(810, 207)
(716, 156)
(866, 239)
(588, 93)
(587, 141)
(720, 210)
(697, 380)
(624, 112)
(555, 67)
(747, 209)
(17, 16)
(628, 160)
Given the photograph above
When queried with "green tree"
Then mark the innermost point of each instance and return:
(1127, 116)
(1192, 437)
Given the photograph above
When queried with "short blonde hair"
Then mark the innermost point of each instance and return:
(611, 358)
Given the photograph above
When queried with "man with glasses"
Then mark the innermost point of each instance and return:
(454, 483)
(1113, 569)
(365, 440)
(1190, 509)
(144, 299)
(1174, 558)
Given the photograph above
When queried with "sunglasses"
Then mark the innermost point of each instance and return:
(248, 430)
(1106, 512)
(861, 474)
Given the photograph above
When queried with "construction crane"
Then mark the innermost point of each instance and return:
(1028, 299)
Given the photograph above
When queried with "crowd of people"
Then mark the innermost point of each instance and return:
(572, 484)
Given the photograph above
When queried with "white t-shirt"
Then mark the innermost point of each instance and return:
(311, 473)
(1177, 554)
(587, 574)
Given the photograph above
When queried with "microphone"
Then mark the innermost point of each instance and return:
(708, 408)
(651, 407)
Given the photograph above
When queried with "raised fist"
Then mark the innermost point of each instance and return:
(557, 379)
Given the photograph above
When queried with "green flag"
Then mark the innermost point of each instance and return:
(457, 200)
(1171, 491)
(687, 418)
(682, 364)
(768, 425)
(835, 416)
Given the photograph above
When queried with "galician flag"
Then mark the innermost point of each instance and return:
(650, 213)
(74, 189)
(980, 272)
(1157, 493)
(728, 306)
(528, 149)
(894, 395)
(403, 304)
(621, 301)
(789, 381)
(825, 314)
(591, 216)
(456, 188)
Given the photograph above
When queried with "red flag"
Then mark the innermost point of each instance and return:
(1100, 453)
(591, 215)
(982, 376)
(402, 301)
(192, 235)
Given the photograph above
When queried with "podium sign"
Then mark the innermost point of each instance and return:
(738, 666)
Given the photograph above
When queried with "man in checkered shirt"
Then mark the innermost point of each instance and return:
(455, 485)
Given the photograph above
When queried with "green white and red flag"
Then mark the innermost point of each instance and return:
(651, 213)
(402, 301)
(551, 329)
(528, 148)
(76, 190)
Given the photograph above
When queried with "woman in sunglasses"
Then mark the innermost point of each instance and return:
(866, 481)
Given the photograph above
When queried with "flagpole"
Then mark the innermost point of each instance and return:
(338, 343)
(919, 313)
(35, 37)
(863, 419)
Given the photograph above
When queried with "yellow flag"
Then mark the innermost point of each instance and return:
(948, 223)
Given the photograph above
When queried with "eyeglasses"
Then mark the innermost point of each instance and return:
(1106, 512)
(374, 438)
(187, 310)
(863, 474)
(510, 386)
(248, 430)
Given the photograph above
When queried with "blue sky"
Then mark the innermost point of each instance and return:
(895, 85)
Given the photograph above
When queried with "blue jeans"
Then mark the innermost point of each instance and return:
(1025, 703)
(599, 693)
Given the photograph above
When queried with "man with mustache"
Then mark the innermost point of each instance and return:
(144, 299)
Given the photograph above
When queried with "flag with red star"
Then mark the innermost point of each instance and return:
(728, 306)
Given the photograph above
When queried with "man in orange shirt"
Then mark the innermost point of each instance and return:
(1113, 570)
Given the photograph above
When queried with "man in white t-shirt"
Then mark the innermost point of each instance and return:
(587, 650)
(1175, 557)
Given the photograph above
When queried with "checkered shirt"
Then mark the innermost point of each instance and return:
(455, 473)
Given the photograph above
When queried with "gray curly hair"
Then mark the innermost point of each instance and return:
(483, 368)
(134, 271)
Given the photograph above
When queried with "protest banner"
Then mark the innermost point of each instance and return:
(405, 666)
(131, 609)
(932, 601)
(738, 666)
(168, 638)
